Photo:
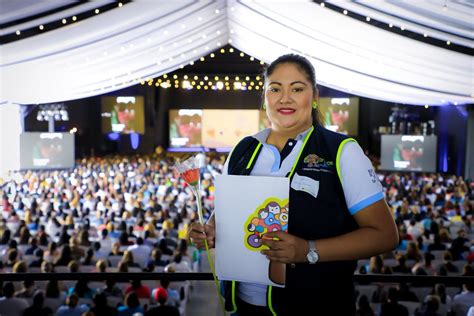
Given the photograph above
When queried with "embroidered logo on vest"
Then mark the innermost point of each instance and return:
(316, 163)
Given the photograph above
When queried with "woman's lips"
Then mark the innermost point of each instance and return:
(286, 111)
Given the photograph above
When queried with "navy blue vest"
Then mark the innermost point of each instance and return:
(310, 218)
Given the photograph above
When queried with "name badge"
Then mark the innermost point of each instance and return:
(305, 184)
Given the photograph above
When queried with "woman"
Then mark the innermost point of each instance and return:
(132, 306)
(348, 218)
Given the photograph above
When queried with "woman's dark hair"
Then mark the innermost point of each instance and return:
(131, 300)
(81, 288)
(6, 237)
(65, 256)
(38, 299)
(305, 66)
(52, 289)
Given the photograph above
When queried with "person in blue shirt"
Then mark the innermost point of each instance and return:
(132, 306)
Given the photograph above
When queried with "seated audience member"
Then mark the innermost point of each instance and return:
(76, 250)
(459, 245)
(20, 267)
(163, 246)
(64, 257)
(101, 308)
(89, 260)
(72, 307)
(440, 291)
(447, 263)
(401, 267)
(437, 244)
(413, 252)
(53, 291)
(363, 307)
(405, 294)
(14, 305)
(425, 265)
(47, 267)
(462, 302)
(156, 258)
(173, 295)
(82, 290)
(129, 260)
(28, 289)
(141, 290)
(150, 267)
(162, 308)
(140, 251)
(179, 265)
(116, 250)
(122, 266)
(376, 264)
(392, 307)
(111, 289)
(132, 305)
(39, 259)
(52, 253)
(38, 308)
(73, 266)
(101, 266)
(33, 246)
(430, 307)
(99, 254)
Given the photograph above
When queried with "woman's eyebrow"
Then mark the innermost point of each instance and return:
(294, 82)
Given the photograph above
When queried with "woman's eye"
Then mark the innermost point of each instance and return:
(274, 89)
(298, 89)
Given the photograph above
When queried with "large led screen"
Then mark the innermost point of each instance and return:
(123, 114)
(340, 114)
(408, 153)
(224, 128)
(213, 128)
(46, 150)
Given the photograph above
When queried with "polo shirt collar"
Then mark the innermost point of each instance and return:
(263, 135)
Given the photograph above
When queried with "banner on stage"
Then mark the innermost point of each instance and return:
(246, 208)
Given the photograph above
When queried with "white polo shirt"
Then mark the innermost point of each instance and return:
(359, 182)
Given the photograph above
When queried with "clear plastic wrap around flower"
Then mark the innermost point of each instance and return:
(189, 171)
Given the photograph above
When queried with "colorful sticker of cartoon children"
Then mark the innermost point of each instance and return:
(270, 218)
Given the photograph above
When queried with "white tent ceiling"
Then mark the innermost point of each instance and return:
(145, 38)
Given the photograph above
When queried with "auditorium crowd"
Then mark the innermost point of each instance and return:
(130, 214)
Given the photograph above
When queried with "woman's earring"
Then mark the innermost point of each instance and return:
(315, 105)
(264, 106)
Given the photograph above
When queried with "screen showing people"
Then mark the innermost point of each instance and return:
(46, 150)
(408, 153)
(340, 114)
(123, 114)
(213, 128)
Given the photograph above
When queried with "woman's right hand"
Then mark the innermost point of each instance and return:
(197, 233)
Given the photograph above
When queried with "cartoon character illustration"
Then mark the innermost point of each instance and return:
(271, 216)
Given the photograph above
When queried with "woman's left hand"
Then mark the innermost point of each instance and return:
(287, 249)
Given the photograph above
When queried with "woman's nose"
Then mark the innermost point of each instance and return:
(285, 97)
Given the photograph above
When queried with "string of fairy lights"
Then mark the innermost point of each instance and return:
(120, 4)
(223, 82)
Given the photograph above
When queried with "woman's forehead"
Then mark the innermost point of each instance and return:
(287, 72)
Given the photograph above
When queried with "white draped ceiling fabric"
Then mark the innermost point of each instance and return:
(145, 39)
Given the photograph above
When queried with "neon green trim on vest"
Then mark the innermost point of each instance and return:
(234, 304)
(338, 156)
(269, 299)
(253, 155)
(301, 151)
